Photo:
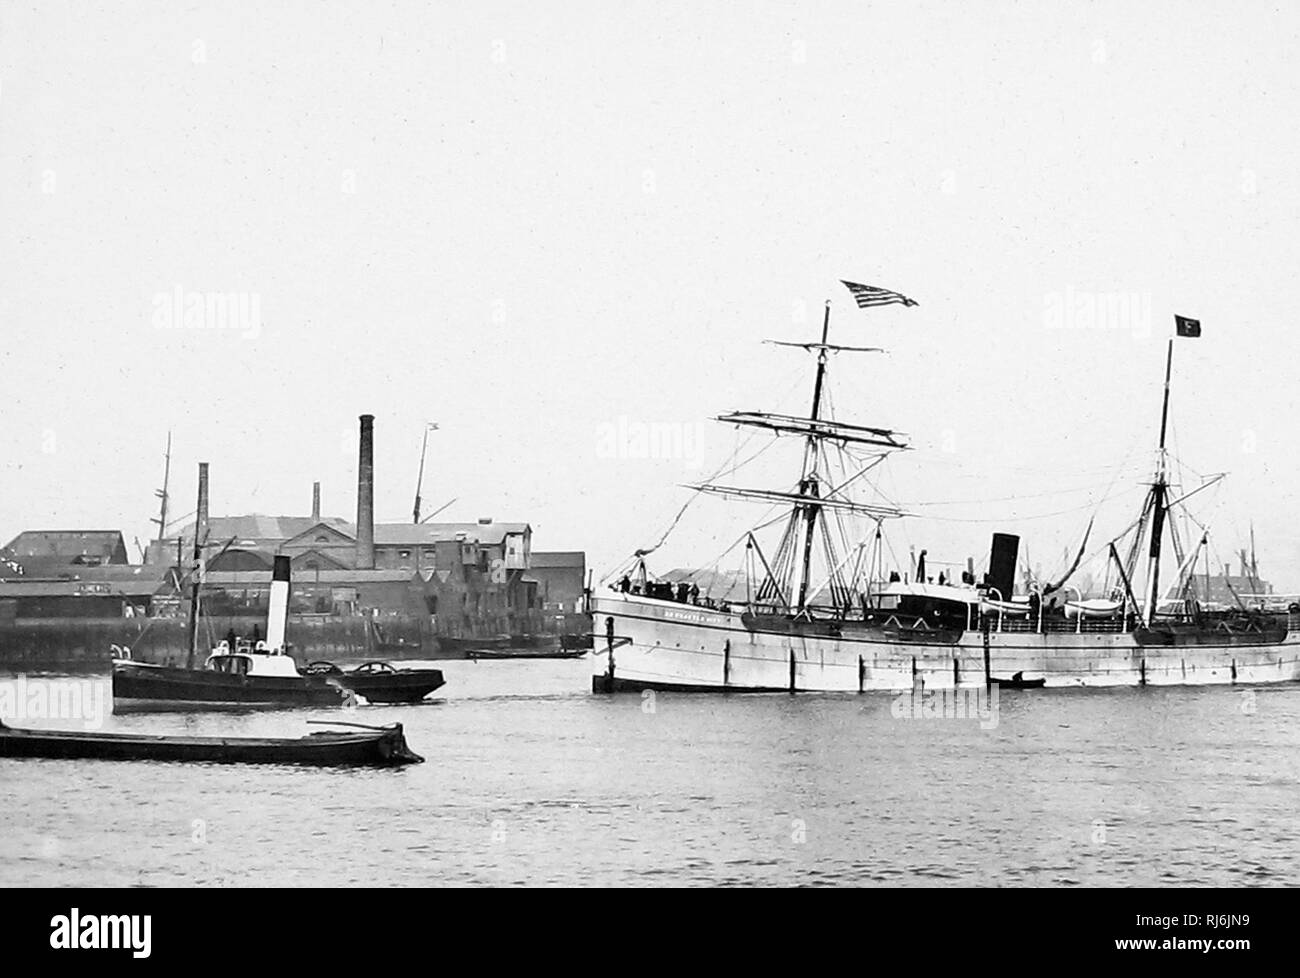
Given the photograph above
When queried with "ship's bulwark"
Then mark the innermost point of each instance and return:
(659, 644)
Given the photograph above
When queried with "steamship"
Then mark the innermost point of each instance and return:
(818, 613)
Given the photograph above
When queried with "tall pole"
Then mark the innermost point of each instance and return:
(162, 493)
(809, 484)
(419, 481)
(1158, 488)
(200, 528)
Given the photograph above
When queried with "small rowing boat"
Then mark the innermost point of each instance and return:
(1018, 681)
(371, 746)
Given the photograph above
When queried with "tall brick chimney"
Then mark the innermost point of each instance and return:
(366, 495)
(201, 516)
(315, 502)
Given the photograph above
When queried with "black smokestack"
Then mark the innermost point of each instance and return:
(366, 495)
(1002, 564)
(315, 502)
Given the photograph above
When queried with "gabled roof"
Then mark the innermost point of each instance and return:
(255, 528)
(334, 532)
(68, 545)
(427, 534)
(326, 561)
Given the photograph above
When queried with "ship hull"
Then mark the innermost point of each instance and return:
(659, 644)
(138, 686)
(383, 747)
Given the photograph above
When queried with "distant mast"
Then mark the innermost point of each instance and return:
(162, 493)
(200, 531)
(419, 479)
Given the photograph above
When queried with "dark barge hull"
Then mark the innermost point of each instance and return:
(141, 686)
(511, 646)
(384, 747)
(495, 655)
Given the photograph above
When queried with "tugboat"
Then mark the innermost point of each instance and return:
(262, 675)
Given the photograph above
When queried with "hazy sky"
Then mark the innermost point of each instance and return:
(545, 225)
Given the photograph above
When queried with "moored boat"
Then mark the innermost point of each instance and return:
(496, 655)
(381, 682)
(373, 746)
(261, 675)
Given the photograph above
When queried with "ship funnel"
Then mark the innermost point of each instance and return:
(1002, 564)
(277, 614)
(366, 495)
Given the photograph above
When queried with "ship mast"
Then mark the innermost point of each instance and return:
(162, 493)
(808, 484)
(1159, 487)
(419, 480)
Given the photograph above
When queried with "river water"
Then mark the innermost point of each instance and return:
(531, 779)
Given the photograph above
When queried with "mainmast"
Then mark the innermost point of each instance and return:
(808, 484)
(789, 577)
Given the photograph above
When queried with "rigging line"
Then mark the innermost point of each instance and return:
(740, 465)
(739, 540)
(697, 493)
(1010, 519)
(1012, 499)
(929, 457)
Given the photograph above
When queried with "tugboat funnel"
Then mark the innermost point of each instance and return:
(277, 614)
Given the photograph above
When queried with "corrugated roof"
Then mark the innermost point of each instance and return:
(427, 534)
(558, 559)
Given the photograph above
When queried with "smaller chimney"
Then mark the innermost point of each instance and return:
(315, 502)
(201, 517)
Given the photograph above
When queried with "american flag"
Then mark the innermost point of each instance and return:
(869, 295)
